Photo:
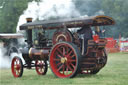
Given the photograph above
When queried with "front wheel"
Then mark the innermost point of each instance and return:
(17, 67)
(41, 67)
(65, 60)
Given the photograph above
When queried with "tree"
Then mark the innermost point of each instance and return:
(10, 13)
(117, 9)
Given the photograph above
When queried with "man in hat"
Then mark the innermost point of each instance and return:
(41, 39)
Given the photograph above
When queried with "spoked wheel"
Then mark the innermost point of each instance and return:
(17, 67)
(41, 67)
(65, 60)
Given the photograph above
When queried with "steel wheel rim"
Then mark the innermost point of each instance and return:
(40, 67)
(17, 67)
(63, 65)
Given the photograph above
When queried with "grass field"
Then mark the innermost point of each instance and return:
(114, 73)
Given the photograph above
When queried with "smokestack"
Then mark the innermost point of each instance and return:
(29, 33)
(29, 19)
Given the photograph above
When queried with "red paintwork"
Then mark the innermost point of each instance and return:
(16, 67)
(112, 45)
(62, 69)
(96, 38)
(40, 69)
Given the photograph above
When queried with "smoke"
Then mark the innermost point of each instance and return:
(48, 9)
(5, 59)
(100, 12)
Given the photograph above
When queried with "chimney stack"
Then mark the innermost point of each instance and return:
(29, 19)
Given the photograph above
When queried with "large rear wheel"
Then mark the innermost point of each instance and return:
(65, 60)
(17, 67)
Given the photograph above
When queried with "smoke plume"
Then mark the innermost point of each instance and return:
(46, 9)
(5, 59)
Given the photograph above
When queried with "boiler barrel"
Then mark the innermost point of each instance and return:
(39, 54)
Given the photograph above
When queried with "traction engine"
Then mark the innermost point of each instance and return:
(63, 50)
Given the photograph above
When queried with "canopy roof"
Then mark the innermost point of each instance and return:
(9, 36)
(69, 23)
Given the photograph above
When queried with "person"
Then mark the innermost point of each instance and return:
(85, 34)
(41, 39)
(100, 33)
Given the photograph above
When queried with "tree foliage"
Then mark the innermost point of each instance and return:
(116, 9)
(9, 14)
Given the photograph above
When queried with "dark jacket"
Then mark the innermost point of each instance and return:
(86, 30)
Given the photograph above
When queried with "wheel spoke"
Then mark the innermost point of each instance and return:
(58, 50)
(71, 60)
(58, 63)
(64, 51)
(72, 65)
(69, 53)
(41, 62)
(41, 70)
(67, 49)
(67, 71)
(59, 55)
(63, 68)
(69, 67)
(18, 66)
(18, 72)
(72, 56)
(60, 67)
(56, 59)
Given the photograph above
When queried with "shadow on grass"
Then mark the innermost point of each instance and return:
(86, 75)
(91, 75)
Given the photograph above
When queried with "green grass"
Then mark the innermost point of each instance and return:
(114, 73)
